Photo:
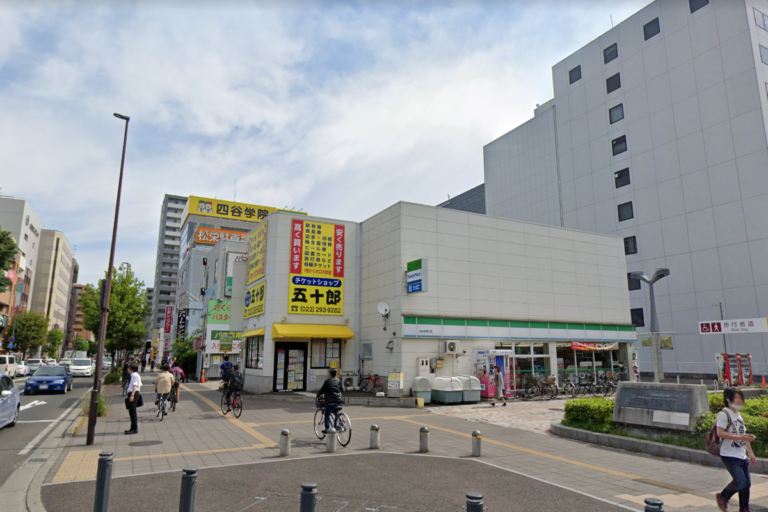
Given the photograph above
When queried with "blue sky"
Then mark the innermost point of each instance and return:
(340, 108)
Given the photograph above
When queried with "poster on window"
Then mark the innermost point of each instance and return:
(316, 276)
(257, 252)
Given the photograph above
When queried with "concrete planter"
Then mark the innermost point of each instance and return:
(631, 444)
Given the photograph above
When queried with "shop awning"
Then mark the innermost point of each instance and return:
(311, 331)
(254, 332)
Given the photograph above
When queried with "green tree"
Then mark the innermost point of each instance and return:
(81, 344)
(7, 253)
(30, 330)
(53, 342)
(127, 310)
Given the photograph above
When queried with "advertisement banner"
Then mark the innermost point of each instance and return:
(666, 342)
(219, 311)
(212, 236)
(316, 277)
(739, 326)
(580, 345)
(257, 253)
(254, 300)
(168, 319)
(181, 324)
(223, 209)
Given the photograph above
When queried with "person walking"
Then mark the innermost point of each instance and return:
(498, 380)
(623, 372)
(143, 364)
(134, 398)
(735, 450)
(152, 365)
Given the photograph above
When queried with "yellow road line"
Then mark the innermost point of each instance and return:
(239, 424)
(198, 452)
(607, 471)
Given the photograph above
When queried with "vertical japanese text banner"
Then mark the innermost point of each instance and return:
(257, 252)
(316, 277)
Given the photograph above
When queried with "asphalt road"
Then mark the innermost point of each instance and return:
(40, 412)
(362, 482)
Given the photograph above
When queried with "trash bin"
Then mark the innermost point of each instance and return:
(422, 389)
(447, 390)
(470, 388)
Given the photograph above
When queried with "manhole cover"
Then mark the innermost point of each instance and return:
(37, 460)
(145, 443)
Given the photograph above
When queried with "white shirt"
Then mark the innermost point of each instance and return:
(135, 381)
(728, 447)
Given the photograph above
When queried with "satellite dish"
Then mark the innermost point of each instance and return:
(383, 308)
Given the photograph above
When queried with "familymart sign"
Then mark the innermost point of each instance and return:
(417, 276)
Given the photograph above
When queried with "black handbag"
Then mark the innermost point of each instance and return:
(137, 398)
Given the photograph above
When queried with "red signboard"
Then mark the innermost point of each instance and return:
(168, 319)
(297, 241)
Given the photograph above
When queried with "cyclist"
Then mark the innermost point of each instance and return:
(234, 383)
(331, 390)
(178, 377)
(163, 385)
(126, 375)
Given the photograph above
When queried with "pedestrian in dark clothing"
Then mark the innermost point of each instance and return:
(331, 392)
(152, 365)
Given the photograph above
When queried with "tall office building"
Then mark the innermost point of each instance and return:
(18, 217)
(657, 134)
(53, 279)
(473, 201)
(75, 328)
(167, 263)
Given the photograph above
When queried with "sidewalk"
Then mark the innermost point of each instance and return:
(198, 435)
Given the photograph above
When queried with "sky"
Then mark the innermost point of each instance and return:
(339, 108)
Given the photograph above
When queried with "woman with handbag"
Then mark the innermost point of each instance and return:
(134, 399)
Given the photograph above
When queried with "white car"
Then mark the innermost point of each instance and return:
(51, 362)
(8, 365)
(106, 364)
(81, 368)
(10, 402)
(34, 364)
(65, 362)
(22, 369)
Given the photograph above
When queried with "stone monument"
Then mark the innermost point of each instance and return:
(661, 406)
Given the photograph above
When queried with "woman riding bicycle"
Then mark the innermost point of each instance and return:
(331, 391)
(163, 385)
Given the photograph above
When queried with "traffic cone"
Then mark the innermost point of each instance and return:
(763, 380)
(202, 380)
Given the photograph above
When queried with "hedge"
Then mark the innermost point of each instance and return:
(595, 414)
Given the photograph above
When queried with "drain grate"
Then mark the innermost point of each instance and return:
(37, 460)
(145, 443)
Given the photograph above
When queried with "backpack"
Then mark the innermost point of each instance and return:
(713, 442)
(175, 377)
(238, 381)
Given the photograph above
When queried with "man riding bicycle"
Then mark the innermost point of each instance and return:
(234, 383)
(331, 391)
(163, 384)
(178, 375)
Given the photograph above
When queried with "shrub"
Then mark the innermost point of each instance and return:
(716, 403)
(112, 378)
(595, 414)
(101, 410)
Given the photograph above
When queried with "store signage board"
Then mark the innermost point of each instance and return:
(668, 406)
(738, 326)
(417, 276)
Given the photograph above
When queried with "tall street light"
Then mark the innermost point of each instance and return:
(658, 364)
(106, 291)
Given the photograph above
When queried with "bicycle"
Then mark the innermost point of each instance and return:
(237, 403)
(372, 383)
(173, 399)
(162, 406)
(341, 423)
(124, 387)
(535, 388)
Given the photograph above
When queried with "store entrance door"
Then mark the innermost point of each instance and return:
(290, 367)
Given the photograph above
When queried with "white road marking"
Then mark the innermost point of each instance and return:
(46, 430)
(34, 403)
(37, 421)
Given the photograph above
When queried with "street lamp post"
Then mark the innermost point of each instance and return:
(106, 291)
(658, 363)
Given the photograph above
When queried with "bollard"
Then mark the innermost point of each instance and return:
(308, 498)
(678, 380)
(285, 443)
(475, 502)
(654, 505)
(424, 440)
(477, 444)
(188, 490)
(330, 440)
(375, 444)
(103, 482)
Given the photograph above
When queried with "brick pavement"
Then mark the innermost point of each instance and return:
(534, 416)
(198, 435)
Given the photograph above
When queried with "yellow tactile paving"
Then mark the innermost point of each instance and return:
(198, 452)
(78, 465)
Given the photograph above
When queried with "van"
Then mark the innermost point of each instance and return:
(8, 365)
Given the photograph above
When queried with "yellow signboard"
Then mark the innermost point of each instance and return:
(316, 276)
(223, 209)
(257, 253)
(254, 300)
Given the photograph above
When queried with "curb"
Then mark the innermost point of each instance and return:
(653, 448)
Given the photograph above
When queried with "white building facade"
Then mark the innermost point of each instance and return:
(18, 217)
(657, 135)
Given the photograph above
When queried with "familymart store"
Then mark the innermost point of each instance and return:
(525, 348)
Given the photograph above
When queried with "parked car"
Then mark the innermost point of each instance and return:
(107, 364)
(81, 368)
(65, 362)
(49, 378)
(10, 401)
(8, 365)
(50, 362)
(34, 364)
(22, 369)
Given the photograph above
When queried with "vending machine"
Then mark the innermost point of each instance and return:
(486, 361)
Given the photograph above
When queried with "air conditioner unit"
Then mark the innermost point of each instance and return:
(349, 383)
(452, 347)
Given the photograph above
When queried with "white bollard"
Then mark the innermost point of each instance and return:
(331, 441)
(477, 444)
(424, 440)
(375, 444)
(285, 443)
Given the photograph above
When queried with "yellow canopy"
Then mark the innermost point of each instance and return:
(255, 332)
(311, 331)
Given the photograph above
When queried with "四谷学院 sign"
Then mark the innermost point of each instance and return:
(417, 276)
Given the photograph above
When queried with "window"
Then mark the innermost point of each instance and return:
(215, 271)
(574, 75)
(26, 237)
(616, 113)
(697, 4)
(633, 282)
(625, 211)
(622, 178)
(254, 352)
(638, 318)
(325, 352)
(630, 245)
(611, 53)
(619, 145)
(651, 28)
(761, 20)
(612, 83)
(764, 54)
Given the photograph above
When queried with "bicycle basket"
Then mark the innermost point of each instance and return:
(319, 403)
(550, 380)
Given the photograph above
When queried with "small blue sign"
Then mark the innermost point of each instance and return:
(12, 339)
(414, 287)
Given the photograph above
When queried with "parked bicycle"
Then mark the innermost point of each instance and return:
(237, 403)
(341, 423)
(371, 383)
(535, 387)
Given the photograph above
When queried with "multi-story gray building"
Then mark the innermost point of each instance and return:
(473, 201)
(167, 263)
(18, 217)
(657, 134)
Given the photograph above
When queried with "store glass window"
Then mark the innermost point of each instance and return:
(254, 352)
(522, 348)
(326, 353)
(317, 359)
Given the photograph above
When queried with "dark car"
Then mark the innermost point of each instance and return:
(49, 378)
